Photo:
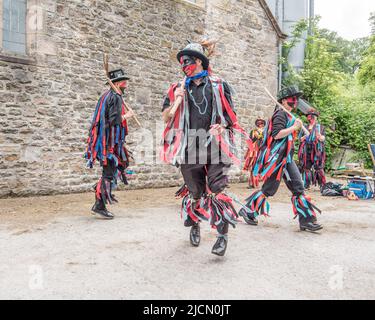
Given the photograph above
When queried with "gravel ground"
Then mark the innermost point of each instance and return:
(53, 248)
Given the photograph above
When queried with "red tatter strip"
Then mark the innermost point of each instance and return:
(224, 198)
(224, 147)
(227, 107)
(98, 186)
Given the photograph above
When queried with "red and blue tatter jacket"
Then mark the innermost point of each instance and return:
(275, 154)
(107, 133)
(312, 149)
(175, 137)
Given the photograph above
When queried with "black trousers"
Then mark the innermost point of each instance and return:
(104, 185)
(198, 176)
(109, 171)
(291, 177)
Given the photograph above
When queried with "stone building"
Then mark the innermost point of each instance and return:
(51, 75)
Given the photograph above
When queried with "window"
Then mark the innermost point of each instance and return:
(14, 26)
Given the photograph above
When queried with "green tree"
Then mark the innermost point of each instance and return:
(366, 74)
(349, 53)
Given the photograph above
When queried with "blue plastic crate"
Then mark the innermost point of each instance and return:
(361, 188)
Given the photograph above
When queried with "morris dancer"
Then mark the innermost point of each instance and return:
(198, 139)
(106, 143)
(311, 153)
(275, 161)
(256, 136)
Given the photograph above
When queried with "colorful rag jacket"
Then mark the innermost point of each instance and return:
(252, 153)
(274, 154)
(175, 135)
(106, 140)
(312, 155)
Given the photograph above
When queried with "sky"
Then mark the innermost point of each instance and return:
(349, 18)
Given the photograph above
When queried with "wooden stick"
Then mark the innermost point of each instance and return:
(127, 107)
(178, 101)
(281, 106)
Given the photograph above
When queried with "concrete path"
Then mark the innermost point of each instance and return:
(53, 248)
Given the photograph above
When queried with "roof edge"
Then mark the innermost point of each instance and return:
(272, 19)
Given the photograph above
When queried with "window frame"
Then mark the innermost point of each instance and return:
(11, 56)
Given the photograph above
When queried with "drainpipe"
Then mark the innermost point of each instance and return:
(280, 67)
(311, 15)
(280, 19)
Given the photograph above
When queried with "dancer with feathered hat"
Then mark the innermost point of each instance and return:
(198, 138)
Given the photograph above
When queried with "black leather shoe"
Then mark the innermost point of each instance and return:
(310, 226)
(100, 209)
(195, 235)
(248, 219)
(251, 221)
(220, 246)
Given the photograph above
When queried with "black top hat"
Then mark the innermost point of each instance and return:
(117, 75)
(195, 50)
(291, 91)
(260, 120)
(313, 112)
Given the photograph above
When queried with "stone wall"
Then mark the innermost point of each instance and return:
(47, 101)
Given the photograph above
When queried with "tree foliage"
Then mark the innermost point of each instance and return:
(331, 83)
(349, 53)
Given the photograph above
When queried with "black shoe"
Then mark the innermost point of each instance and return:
(310, 226)
(100, 209)
(248, 218)
(220, 246)
(195, 235)
(251, 221)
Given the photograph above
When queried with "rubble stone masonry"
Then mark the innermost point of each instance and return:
(47, 97)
